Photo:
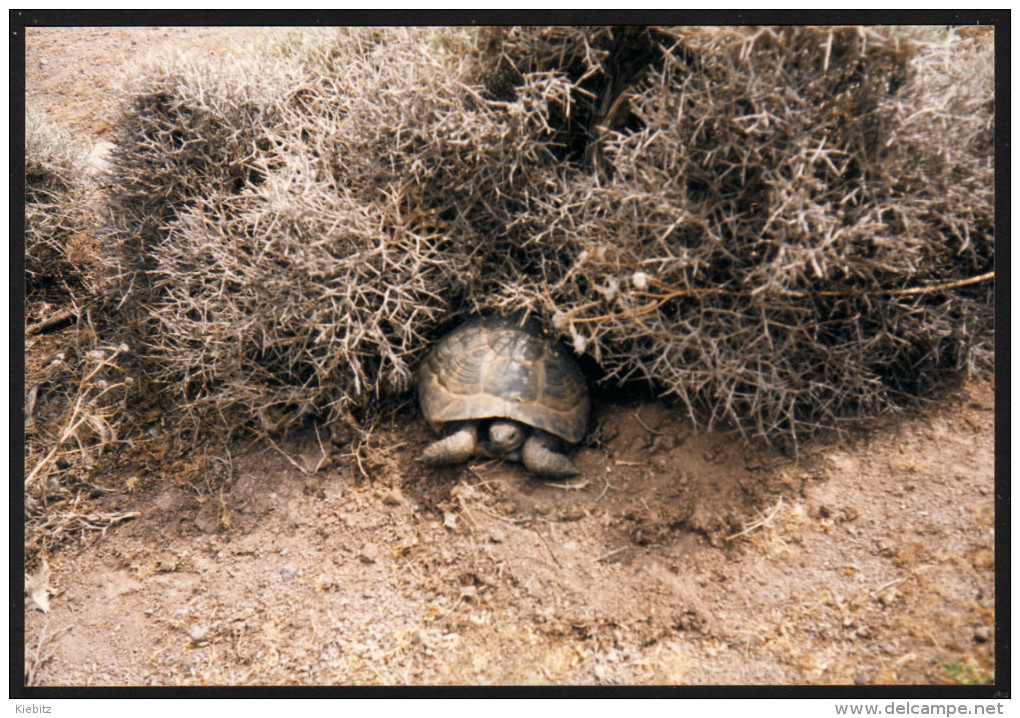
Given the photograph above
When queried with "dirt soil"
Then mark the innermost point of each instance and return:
(676, 558)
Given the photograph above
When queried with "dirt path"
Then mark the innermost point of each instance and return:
(676, 558)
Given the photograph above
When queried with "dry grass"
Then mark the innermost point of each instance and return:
(783, 229)
(75, 412)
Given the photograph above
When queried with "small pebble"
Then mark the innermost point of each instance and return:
(888, 597)
(199, 633)
(982, 634)
(369, 553)
(394, 497)
(818, 510)
(497, 536)
(98, 160)
(288, 573)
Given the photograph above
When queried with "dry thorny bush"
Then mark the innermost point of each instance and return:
(304, 274)
(59, 204)
(783, 229)
(778, 214)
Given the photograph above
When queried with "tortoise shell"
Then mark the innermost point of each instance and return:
(494, 368)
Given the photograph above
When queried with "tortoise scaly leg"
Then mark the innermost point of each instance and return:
(456, 448)
(541, 458)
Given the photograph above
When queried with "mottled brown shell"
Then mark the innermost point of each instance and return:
(494, 368)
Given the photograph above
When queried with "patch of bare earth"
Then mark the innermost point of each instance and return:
(676, 558)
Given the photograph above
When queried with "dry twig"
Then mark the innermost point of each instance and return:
(763, 521)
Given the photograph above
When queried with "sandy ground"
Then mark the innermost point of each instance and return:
(676, 558)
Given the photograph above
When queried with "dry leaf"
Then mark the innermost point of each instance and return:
(37, 587)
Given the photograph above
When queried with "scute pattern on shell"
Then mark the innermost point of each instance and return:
(494, 368)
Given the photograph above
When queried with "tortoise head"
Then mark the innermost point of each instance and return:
(506, 437)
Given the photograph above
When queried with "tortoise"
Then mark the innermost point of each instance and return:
(496, 387)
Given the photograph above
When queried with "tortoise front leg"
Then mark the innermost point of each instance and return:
(540, 457)
(456, 448)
